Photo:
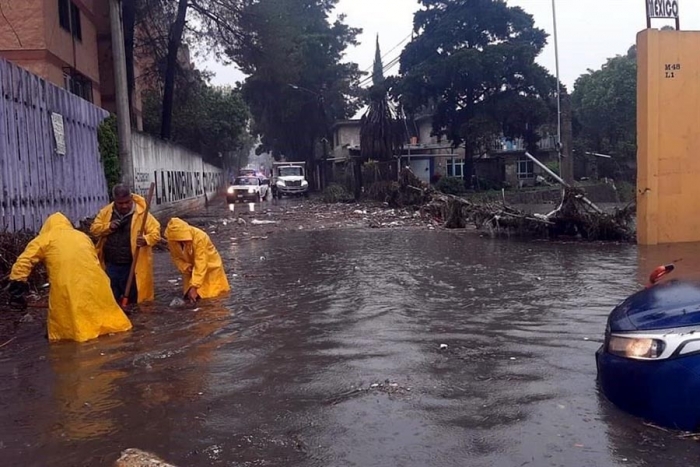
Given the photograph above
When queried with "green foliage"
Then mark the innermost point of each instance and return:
(335, 193)
(450, 185)
(298, 81)
(552, 165)
(626, 191)
(472, 65)
(604, 105)
(108, 142)
(209, 120)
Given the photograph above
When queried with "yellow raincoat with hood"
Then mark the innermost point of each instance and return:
(144, 267)
(196, 258)
(81, 303)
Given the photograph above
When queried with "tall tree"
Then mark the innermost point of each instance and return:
(604, 103)
(297, 82)
(174, 42)
(211, 121)
(157, 30)
(473, 66)
(380, 126)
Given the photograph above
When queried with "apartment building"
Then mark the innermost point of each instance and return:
(66, 42)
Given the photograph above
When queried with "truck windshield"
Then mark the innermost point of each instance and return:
(291, 171)
(245, 181)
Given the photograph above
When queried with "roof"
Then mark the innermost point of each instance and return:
(351, 122)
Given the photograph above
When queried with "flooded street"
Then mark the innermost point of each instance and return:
(328, 353)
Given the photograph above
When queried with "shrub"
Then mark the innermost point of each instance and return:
(335, 193)
(451, 185)
(109, 150)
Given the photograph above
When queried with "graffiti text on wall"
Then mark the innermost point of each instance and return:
(176, 185)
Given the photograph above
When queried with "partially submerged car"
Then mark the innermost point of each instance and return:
(649, 364)
(250, 189)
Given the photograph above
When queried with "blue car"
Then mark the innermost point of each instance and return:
(649, 364)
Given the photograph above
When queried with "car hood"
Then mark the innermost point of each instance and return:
(291, 178)
(667, 305)
(244, 187)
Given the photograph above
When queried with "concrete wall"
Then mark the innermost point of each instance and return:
(347, 133)
(668, 137)
(183, 181)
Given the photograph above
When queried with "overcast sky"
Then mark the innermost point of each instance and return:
(589, 31)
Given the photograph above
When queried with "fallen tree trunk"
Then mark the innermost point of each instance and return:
(575, 216)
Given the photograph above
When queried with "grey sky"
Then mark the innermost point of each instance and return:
(590, 31)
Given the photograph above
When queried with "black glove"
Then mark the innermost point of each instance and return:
(17, 290)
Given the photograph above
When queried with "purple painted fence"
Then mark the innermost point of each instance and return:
(35, 181)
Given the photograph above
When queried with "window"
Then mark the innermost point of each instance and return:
(526, 168)
(245, 181)
(78, 85)
(64, 14)
(290, 171)
(455, 167)
(69, 18)
(75, 22)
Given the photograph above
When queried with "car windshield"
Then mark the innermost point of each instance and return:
(245, 181)
(290, 171)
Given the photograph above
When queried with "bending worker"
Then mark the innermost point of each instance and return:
(81, 305)
(118, 228)
(196, 258)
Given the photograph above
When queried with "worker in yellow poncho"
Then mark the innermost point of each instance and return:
(117, 226)
(81, 304)
(196, 258)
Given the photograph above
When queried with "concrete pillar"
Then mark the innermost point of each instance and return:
(668, 137)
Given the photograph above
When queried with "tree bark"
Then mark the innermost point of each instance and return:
(174, 42)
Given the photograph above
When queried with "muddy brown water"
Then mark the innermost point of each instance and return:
(328, 353)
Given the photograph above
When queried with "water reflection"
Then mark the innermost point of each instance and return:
(250, 208)
(271, 374)
(85, 388)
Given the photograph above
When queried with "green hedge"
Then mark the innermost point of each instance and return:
(109, 150)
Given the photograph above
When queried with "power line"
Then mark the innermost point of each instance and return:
(385, 68)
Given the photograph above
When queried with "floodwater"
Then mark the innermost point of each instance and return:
(328, 353)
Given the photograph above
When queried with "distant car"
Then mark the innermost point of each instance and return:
(249, 189)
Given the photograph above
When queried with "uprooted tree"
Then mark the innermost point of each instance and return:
(575, 216)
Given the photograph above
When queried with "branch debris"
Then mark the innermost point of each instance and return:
(573, 218)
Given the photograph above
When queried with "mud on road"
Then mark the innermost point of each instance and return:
(345, 345)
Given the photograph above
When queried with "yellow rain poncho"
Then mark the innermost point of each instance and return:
(144, 267)
(196, 258)
(81, 304)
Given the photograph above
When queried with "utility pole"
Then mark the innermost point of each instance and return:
(122, 93)
(556, 58)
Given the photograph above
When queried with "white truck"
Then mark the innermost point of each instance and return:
(289, 178)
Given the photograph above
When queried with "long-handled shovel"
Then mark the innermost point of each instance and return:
(130, 280)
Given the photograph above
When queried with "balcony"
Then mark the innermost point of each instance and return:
(504, 145)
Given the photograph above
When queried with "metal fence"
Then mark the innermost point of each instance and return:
(49, 157)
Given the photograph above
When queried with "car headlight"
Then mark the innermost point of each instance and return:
(636, 347)
(280, 182)
(304, 183)
(251, 190)
(230, 190)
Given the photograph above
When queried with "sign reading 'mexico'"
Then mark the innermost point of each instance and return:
(662, 9)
